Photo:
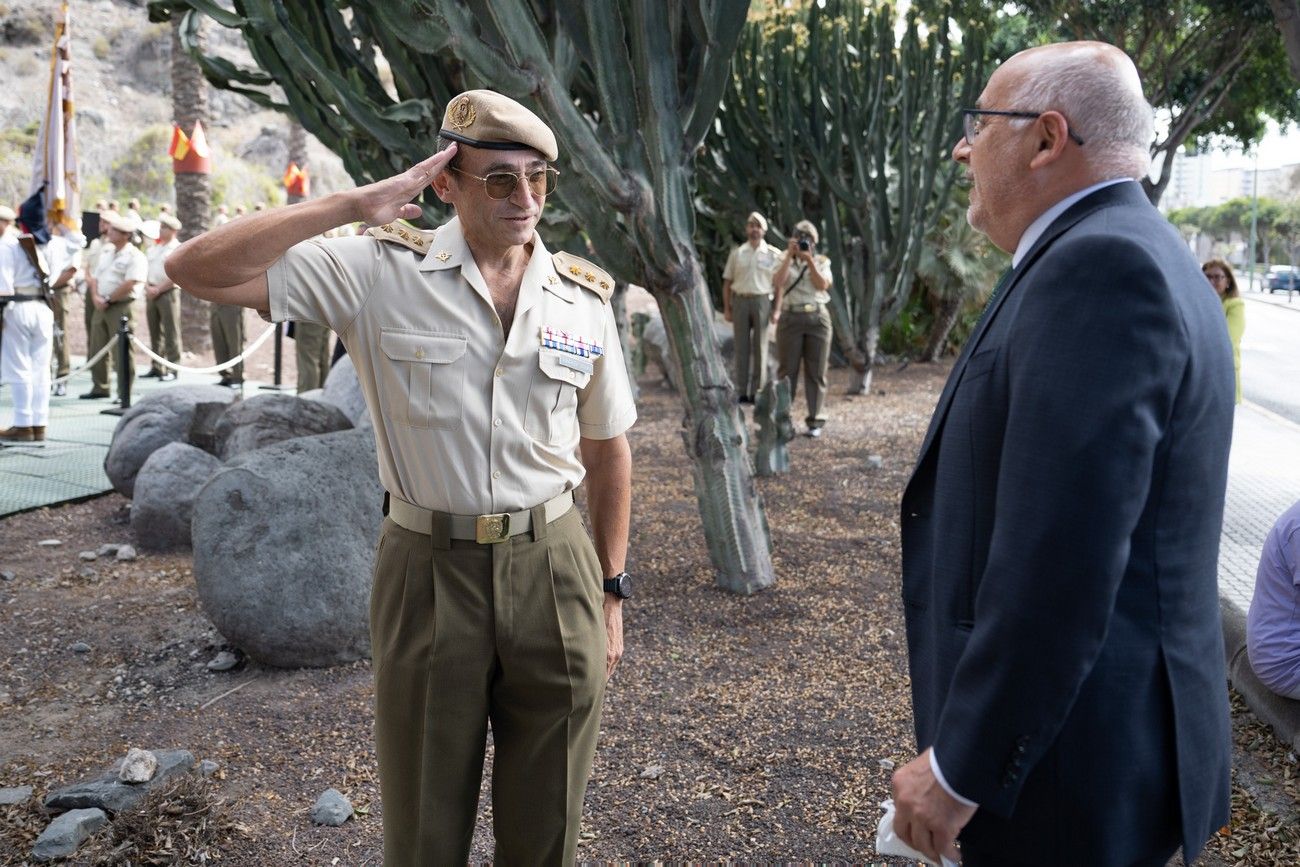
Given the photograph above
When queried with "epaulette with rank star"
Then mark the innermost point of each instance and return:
(585, 274)
(405, 234)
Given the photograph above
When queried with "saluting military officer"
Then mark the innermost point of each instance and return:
(493, 373)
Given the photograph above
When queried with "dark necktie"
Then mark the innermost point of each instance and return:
(993, 296)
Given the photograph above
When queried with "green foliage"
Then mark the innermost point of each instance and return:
(144, 169)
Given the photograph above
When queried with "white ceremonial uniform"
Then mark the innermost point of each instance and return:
(27, 344)
(467, 421)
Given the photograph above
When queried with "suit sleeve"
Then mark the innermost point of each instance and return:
(1093, 362)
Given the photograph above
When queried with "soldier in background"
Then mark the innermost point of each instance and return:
(162, 301)
(120, 272)
(747, 304)
(63, 256)
(226, 322)
(803, 331)
(28, 334)
(222, 217)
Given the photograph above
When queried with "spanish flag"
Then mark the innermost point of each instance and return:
(54, 169)
(180, 144)
(296, 181)
(190, 154)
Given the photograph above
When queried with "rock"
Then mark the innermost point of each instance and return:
(223, 661)
(81, 647)
(331, 808)
(62, 836)
(165, 490)
(344, 391)
(7, 575)
(87, 574)
(50, 543)
(652, 772)
(654, 346)
(88, 556)
(203, 425)
(108, 550)
(110, 794)
(875, 461)
(886, 764)
(207, 768)
(15, 795)
(160, 418)
(139, 766)
(271, 418)
(125, 554)
(283, 549)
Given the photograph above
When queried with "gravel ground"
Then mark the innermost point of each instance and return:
(760, 729)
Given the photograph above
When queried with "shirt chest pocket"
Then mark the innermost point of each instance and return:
(423, 377)
(553, 398)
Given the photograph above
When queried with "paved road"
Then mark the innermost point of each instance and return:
(1270, 354)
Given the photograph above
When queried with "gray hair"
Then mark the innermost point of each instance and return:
(1101, 98)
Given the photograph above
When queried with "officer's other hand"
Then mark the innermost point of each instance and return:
(776, 314)
(613, 633)
(792, 247)
(387, 200)
(726, 315)
(928, 819)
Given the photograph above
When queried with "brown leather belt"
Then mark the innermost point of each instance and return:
(485, 529)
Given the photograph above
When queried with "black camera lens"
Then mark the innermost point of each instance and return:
(804, 245)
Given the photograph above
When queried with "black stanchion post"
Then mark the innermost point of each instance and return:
(279, 360)
(125, 361)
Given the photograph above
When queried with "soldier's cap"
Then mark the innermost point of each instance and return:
(169, 221)
(756, 217)
(121, 222)
(149, 228)
(486, 119)
(7, 213)
(808, 229)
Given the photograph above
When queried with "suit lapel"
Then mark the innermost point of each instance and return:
(1117, 194)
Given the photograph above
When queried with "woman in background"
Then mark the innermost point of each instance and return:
(1220, 275)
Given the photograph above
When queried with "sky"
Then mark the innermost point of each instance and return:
(1276, 149)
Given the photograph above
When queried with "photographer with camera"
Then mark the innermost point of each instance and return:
(803, 320)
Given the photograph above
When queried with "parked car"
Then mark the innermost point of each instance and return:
(1283, 278)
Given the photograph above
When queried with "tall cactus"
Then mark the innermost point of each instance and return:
(848, 114)
(630, 88)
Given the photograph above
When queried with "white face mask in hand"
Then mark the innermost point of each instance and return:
(887, 842)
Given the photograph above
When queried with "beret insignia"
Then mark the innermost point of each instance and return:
(462, 115)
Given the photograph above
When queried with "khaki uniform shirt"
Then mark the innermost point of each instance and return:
(64, 252)
(113, 268)
(157, 254)
(799, 288)
(466, 421)
(750, 269)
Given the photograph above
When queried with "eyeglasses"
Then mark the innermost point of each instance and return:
(971, 124)
(1215, 276)
(502, 185)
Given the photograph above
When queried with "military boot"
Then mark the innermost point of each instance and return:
(19, 435)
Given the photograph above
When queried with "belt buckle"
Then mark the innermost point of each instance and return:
(490, 529)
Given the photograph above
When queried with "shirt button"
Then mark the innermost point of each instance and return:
(496, 422)
(496, 474)
(500, 372)
(419, 353)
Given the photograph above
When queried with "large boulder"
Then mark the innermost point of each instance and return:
(161, 418)
(284, 544)
(342, 389)
(654, 345)
(267, 419)
(165, 490)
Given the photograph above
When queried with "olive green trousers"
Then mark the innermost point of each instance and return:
(164, 317)
(464, 636)
(311, 345)
(226, 324)
(804, 339)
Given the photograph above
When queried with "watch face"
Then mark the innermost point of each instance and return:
(624, 587)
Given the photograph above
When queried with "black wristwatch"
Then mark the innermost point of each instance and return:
(620, 585)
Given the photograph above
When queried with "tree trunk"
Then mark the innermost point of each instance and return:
(193, 192)
(731, 509)
(1287, 15)
(945, 318)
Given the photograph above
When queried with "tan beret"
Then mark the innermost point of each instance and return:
(756, 217)
(149, 228)
(169, 221)
(7, 213)
(808, 229)
(486, 119)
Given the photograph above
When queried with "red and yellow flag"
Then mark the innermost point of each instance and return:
(296, 181)
(180, 145)
(190, 154)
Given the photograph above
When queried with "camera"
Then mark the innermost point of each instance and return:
(804, 245)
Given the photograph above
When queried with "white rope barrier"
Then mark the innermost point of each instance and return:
(216, 368)
(90, 362)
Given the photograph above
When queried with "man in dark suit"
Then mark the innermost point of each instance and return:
(1061, 528)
